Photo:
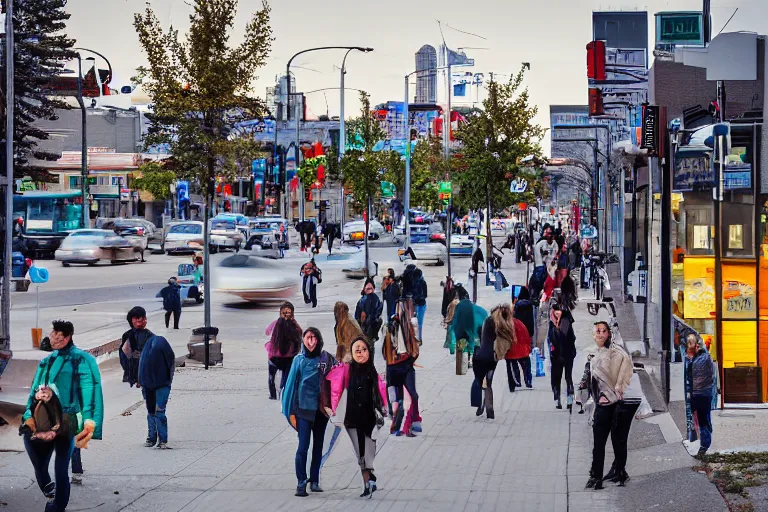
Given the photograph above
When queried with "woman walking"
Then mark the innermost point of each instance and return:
(311, 277)
(607, 376)
(390, 292)
(400, 350)
(346, 330)
(562, 343)
(495, 341)
(467, 326)
(365, 411)
(282, 347)
(305, 400)
(519, 353)
(524, 310)
(171, 295)
(368, 311)
(700, 381)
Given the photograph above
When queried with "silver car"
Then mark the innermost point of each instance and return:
(186, 236)
(89, 246)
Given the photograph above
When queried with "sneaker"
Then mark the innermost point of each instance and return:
(162, 445)
(77, 479)
(50, 490)
(149, 443)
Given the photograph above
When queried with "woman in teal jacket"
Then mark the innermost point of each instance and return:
(306, 400)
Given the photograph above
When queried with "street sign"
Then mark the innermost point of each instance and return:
(388, 189)
(518, 186)
(445, 191)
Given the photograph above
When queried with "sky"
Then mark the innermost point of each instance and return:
(550, 34)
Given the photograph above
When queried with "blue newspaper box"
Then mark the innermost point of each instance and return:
(17, 260)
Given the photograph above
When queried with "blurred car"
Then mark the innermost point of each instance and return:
(255, 279)
(266, 246)
(436, 253)
(133, 230)
(185, 236)
(462, 245)
(354, 231)
(225, 234)
(89, 246)
(240, 220)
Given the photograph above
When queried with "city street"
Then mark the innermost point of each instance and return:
(231, 447)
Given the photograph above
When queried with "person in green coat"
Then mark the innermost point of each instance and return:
(467, 324)
(65, 409)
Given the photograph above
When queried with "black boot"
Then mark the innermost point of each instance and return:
(480, 410)
(611, 475)
(315, 487)
(301, 489)
(622, 477)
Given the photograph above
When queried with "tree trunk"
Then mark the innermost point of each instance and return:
(367, 226)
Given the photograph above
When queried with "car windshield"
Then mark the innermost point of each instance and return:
(187, 229)
(84, 239)
(222, 224)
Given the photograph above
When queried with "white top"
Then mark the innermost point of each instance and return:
(544, 253)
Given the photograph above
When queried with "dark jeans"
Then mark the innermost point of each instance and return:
(284, 365)
(316, 431)
(77, 462)
(513, 373)
(157, 422)
(558, 367)
(40, 455)
(601, 428)
(399, 376)
(330, 243)
(176, 315)
(484, 371)
(702, 407)
(622, 421)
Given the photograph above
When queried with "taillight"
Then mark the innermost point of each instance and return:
(28, 262)
(140, 231)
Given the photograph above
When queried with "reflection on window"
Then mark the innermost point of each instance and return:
(701, 238)
(735, 236)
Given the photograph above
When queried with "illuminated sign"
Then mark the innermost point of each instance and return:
(680, 28)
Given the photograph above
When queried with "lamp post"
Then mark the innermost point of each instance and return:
(288, 109)
(5, 312)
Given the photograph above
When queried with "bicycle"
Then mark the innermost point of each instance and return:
(596, 274)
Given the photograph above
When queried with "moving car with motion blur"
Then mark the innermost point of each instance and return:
(354, 231)
(430, 252)
(89, 246)
(255, 279)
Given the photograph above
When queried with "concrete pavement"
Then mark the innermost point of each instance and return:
(233, 450)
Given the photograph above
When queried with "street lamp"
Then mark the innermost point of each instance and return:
(288, 109)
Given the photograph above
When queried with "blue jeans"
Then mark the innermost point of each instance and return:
(315, 430)
(700, 405)
(40, 453)
(77, 462)
(420, 311)
(157, 423)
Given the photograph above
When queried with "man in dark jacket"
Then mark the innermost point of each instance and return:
(156, 368)
(171, 295)
(135, 337)
(420, 297)
(368, 311)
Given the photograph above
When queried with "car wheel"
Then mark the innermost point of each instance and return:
(199, 300)
(64, 264)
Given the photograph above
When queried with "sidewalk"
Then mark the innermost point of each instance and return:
(232, 449)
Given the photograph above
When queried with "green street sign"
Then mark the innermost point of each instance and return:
(388, 189)
(444, 191)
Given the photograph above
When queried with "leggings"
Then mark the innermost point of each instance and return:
(601, 427)
(558, 366)
(364, 446)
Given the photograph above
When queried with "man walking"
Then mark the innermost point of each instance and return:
(544, 253)
(156, 367)
(66, 387)
(132, 344)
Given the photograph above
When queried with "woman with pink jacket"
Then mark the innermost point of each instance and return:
(365, 408)
(283, 345)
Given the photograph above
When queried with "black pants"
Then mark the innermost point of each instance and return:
(513, 373)
(40, 454)
(601, 428)
(622, 421)
(284, 365)
(312, 297)
(399, 376)
(176, 315)
(330, 243)
(485, 371)
(558, 367)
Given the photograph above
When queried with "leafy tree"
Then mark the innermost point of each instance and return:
(41, 48)
(200, 88)
(360, 165)
(156, 180)
(428, 166)
(494, 141)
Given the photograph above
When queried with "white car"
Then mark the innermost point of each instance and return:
(432, 252)
(354, 231)
(225, 234)
(185, 236)
(255, 279)
(91, 245)
(462, 245)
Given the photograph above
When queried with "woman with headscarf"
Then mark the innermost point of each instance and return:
(368, 311)
(282, 347)
(306, 399)
(346, 330)
(467, 325)
(607, 376)
(400, 350)
(562, 343)
(365, 411)
(519, 353)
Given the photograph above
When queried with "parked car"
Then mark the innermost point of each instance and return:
(261, 226)
(89, 246)
(185, 236)
(255, 279)
(354, 231)
(225, 234)
(240, 220)
(133, 230)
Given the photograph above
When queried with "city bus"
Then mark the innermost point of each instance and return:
(48, 217)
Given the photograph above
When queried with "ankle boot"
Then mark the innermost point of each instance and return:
(301, 489)
(315, 487)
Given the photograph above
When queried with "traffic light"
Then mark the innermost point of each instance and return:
(445, 198)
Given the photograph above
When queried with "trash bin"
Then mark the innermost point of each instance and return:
(17, 260)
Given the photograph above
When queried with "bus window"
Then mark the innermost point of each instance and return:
(40, 215)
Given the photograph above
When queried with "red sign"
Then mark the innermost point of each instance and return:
(596, 60)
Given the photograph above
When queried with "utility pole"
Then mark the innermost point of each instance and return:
(5, 313)
(84, 144)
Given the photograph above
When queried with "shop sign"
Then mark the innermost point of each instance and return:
(738, 180)
(680, 28)
(650, 131)
(693, 173)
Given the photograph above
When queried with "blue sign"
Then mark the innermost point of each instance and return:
(258, 169)
(738, 180)
(182, 192)
(693, 172)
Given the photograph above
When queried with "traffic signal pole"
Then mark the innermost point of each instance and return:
(5, 300)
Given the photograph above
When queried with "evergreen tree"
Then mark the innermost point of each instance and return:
(41, 48)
